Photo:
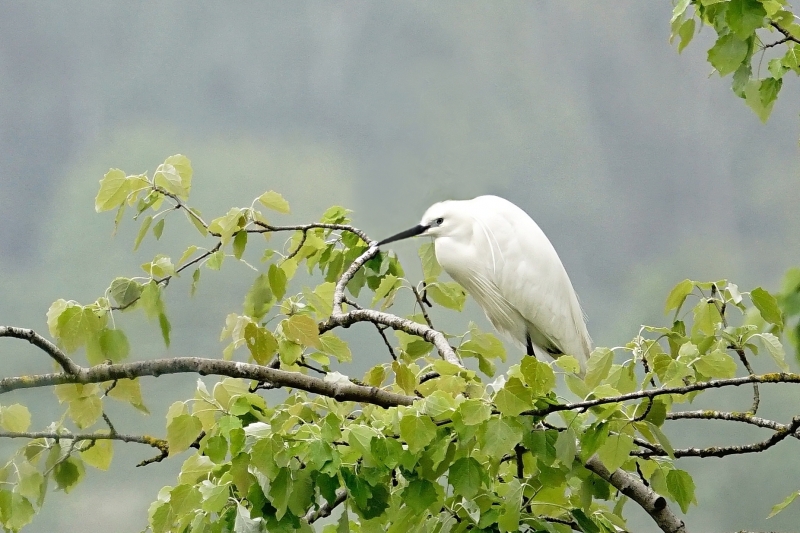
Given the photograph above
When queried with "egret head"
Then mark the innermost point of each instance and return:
(442, 219)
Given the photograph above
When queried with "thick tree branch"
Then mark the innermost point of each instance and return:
(69, 366)
(632, 487)
(198, 365)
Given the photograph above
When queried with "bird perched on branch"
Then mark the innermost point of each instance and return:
(502, 258)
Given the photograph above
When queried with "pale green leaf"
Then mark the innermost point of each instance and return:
(114, 190)
(182, 431)
(125, 291)
(15, 417)
(773, 345)
(767, 305)
(273, 200)
(681, 487)
(302, 329)
(142, 232)
(99, 454)
(417, 430)
(785, 503)
(727, 54)
(615, 451)
(678, 294)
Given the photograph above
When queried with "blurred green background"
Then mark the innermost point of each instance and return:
(642, 168)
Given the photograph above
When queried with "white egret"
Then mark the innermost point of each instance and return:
(503, 259)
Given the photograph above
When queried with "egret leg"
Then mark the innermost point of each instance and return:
(529, 346)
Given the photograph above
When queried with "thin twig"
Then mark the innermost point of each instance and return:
(421, 303)
(381, 331)
(720, 451)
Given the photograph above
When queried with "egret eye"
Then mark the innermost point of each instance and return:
(438, 221)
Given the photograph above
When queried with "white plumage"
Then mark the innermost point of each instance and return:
(504, 260)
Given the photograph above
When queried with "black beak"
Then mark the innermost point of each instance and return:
(413, 232)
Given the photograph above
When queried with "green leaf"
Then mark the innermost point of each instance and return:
(31, 482)
(465, 475)
(168, 178)
(767, 305)
(584, 522)
(114, 345)
(15, 418)
(277, 281)
(260, 342)
(332, 345)
(448, 294)
(239, 244)
(727, 54)
(160, 267)
(21, 512)
(228, 224)
(681, 487)
(214, 261)
(417, 430)
(775, 349)
(678, 294)
(114, 190)
(615, 451)
(125, 291)
(302, 329)
(716, 364)
(258, 300)
(166, 328)
(538, 375)
(85, 411)
(686, 32)
(745, 17)
(76, 325)
(182, 431)
(679, 10)
(183, 167)
(142, 232)
(273, 200)
(754, 97)
(158, 229)
(566, 447)
(430, 266)
(99, 454)
(598, 366)
(513, 398)
(500, 435)
(421, 495)
(474, 411)
(128, 390)
(388, 285)
(662, 439)
(68, 473)
(785, 503)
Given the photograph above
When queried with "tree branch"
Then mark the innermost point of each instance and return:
(69, 366)
(774, 377)
(784, 431)
(197, 365)
(340, 318)
(653, 504)
(326, 508)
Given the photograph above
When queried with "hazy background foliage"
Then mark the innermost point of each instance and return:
(641, 168)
